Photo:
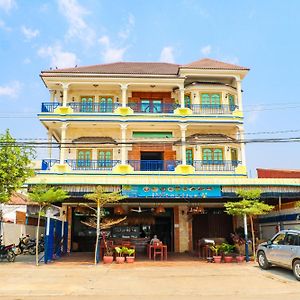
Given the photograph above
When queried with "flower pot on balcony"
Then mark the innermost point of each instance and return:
(240, 258)
(217, 259)
(120, 259)
(228, 259)
(108, 259)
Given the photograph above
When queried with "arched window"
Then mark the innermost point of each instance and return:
(205, 99)
(87, 104)
(105, 159)
(84, 158)
(215, 100)
(187, 101)
(207, 154)
(189, 156)
(231, 103)
(218, 154)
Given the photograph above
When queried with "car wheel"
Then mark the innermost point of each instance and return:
(11, 256)
(296, 269)
(262, 260)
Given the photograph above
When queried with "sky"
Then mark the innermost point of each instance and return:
(262, 35)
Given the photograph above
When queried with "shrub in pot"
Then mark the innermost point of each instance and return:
(130, 255)
(227, 249)
(239, 243)
(216, 249)
(120, 255)
(108, 257)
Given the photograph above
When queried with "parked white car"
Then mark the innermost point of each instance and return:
(282, 250)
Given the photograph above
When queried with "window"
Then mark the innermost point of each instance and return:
(214, 155)
(145, 105)
(87, 104)
(234, 156)
(106, 104)
(279, 239)
(231, 102)
(187, 101)
(291, 239)
(151, 106)
(189, 156)
(213, 100)
(105, 158)
(84, 158)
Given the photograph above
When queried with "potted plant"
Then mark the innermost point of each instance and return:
(130, 255)
(120, 257)
(227, 250)
(216, 249)
(108, 257)
(239, 243)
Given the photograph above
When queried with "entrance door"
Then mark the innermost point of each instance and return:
(152, 161)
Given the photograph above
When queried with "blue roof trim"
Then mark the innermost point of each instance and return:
(280, 218)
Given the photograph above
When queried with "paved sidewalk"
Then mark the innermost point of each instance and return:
(145, 280)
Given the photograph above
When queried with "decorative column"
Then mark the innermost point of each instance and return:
(124, 94)
(183, 128)
(239, 94)
(123, 141)
(65, 87)
(52, 95)
(181, 92)
(62, 143)
(50, 143)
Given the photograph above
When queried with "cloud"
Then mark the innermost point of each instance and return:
(167, 55)
(254, 113)
(29, 33)
(11, 90)
(206, 50)
(124, 34)
(7, 5)
(59, 58)
(111, 53)
(74, 14)
(3, 26)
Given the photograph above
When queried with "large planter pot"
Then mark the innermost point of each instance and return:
(120, 259)
(130, 259)
(108, 259)
(228, 259)
(217, 259)
(240, 258)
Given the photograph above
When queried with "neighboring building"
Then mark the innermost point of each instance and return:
(278, 173)
(167, 136)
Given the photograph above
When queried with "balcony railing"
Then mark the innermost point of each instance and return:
(93, 107)
(153, 108)
(212, 109)
(214, 165)
(97, 165)
(50, 106)
(154, 165)
(48, 163)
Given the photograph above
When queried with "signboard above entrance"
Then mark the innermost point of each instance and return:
(171, 191)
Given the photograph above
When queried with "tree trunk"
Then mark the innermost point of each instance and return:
(97, 233)
(1, 228)
(253, 236)
(37, 238)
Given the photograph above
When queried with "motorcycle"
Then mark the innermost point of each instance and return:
(7, 252)
(25, 246)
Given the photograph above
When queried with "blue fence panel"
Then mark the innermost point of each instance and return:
(58, 238)
(65, 238)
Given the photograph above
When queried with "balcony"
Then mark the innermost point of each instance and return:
(214, 165)
(154, 165)
(212, 109)
(153, 107)
(49, 106)
(93, 107)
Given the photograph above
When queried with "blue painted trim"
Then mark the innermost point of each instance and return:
(280, 218)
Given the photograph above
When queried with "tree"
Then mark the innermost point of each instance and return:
(250, 206)
(44, 196)
(14, 167)
(101, 198)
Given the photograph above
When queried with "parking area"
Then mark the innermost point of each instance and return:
(145, 280)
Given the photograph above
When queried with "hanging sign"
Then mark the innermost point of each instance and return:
(171, 191)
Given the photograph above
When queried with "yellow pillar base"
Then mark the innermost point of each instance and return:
(124, 111)
(122, 169)
(237, 113)
(183, 111)
(63, 110)
(184, 169)
(61, 168)
(241, 170)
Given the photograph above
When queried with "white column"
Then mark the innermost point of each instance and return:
(124, 94)
(183, 128)
(50, 144)
(65, 87)
(181, 92)
(52, 95)
(240, 136)
(123, 141)
(239, 94)
(62, 143)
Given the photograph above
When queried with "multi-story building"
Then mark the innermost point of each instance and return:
(168, 136)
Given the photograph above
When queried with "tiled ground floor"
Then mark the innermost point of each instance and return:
(180, 278)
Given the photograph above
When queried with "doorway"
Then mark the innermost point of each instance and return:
(152, 161)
